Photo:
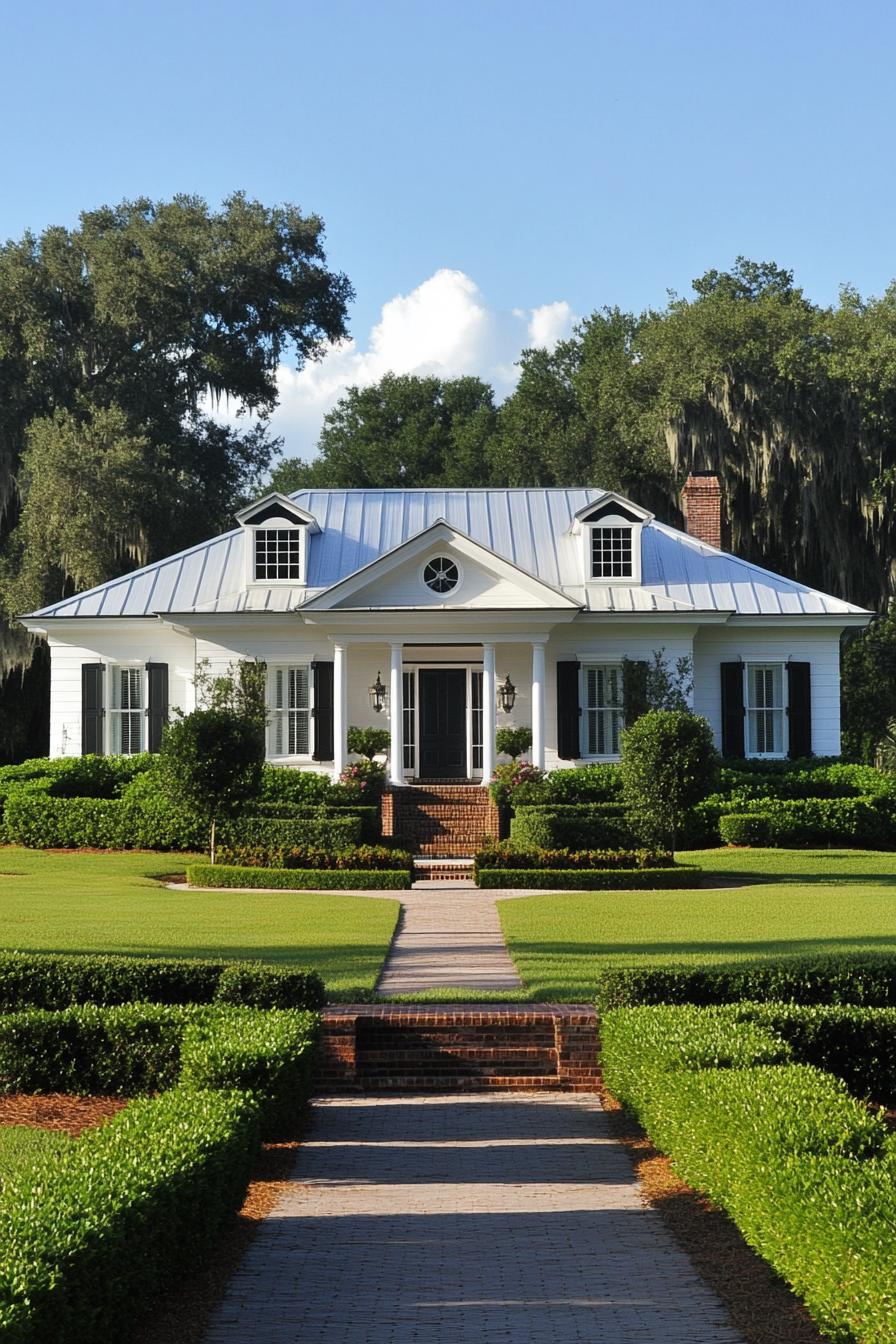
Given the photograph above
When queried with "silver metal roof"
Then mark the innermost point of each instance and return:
(530, 527)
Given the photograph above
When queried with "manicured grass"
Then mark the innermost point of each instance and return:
(796, 902)
(18, 1143)
(113, 902)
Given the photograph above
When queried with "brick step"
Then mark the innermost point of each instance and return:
(497, 1082)
(485, 1039)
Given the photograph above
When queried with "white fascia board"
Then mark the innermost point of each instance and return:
(609, 497)
(801, 620)
(428, 624)
(290, 509)
(416, 545)
(690, 617)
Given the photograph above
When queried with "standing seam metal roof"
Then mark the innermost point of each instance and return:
(530, 527)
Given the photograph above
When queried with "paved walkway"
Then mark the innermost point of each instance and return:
(448, 934)
(461, 1220)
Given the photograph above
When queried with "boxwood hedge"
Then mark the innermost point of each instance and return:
(59, 979)
(298, 879)
(804, 1169)
(588, 879)
(572, 826)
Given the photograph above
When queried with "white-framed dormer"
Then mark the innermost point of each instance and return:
(610, 532)
(277, 534)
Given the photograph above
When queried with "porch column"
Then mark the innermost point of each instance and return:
(340, 709)
(396, 717)
(488, 712)
(538, 705)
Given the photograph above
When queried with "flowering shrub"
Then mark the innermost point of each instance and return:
(507, 779)
(367, 857)
(368, 778)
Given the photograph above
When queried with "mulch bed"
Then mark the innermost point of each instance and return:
(759, 1303)
(58, 1111)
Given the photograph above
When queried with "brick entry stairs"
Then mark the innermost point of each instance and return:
(440, 822)
(471, 1047)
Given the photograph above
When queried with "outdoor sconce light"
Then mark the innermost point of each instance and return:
(377, 693)
(506, 695)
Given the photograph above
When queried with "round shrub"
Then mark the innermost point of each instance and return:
(744, 828)
(669, 764)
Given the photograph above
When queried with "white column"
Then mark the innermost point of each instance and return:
(538, 705)
(488, 711)
(340, 709)
(396, 717)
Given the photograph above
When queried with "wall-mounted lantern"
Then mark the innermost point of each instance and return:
(377, 693)
(506, 695)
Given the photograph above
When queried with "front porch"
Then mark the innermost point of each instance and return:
(441, 703)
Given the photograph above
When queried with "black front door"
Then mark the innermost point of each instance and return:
(443, 723)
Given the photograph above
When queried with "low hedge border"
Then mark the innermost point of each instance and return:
(162, 1176)
(59, 980)
(298, 879)
(861, 978)
(357, 857)
(572, 826)
(589, 879)
(804, 1169)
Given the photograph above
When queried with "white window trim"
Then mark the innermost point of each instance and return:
(452, 592)
(285, 757)
(784, 711)
(611, 581)
(111, 667)
(277, 525)
(584, 665)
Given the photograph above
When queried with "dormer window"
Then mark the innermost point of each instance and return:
(276, 532)
(278, 554)
(611, 552)
(610, 531)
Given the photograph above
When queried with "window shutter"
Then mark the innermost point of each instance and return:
(323, 711)
(799, 709)
(634, 691)
(733, 709)
(93, 710)
(568, 711)
(156, 704)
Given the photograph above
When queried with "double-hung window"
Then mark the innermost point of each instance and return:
(126, 713)
(765, 709)
(603, 709)
(290, 731)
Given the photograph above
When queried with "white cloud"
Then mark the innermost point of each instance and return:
(443, 327)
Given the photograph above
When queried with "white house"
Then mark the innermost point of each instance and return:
(430, 611)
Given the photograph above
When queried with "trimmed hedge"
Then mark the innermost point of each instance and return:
(865, 822)
(369, 816)
(745, 829)
(162, 1176)
(358, 857)
(804, 1169)
(862, 978)
(106, 1224)
(43, 822)
(572, 826)
(298, 879)
(59, 980)
(332, 832)
(585, 879)
(506, 854)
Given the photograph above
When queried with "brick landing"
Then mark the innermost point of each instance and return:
(468, 1047)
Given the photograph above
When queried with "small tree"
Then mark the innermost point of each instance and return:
(241, 690)
(368, 742)
(211, 762)
(513, 741)
(669, 763)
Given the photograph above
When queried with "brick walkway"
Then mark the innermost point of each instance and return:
(448, 937)
(462, 1220)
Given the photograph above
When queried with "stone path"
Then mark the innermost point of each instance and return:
(446, 1219)
(448, 934)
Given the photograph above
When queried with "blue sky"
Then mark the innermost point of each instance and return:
(487, 171)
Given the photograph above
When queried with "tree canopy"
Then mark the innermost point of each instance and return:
(116, 337)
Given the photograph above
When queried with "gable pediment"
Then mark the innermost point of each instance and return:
(440, 568)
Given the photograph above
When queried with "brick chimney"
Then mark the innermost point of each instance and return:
(701, 504)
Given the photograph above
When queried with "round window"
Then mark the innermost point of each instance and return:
(441, 574)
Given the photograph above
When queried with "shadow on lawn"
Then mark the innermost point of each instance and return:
(734, 951)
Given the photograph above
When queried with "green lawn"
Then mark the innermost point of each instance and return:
(113, 902)
(18, 1143)
(804, 901)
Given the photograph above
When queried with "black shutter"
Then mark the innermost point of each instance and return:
(93, 711)
(799, 709)
(157, 704)
(323, 711)
(568, 745)
(634, 690)
(733, 709)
